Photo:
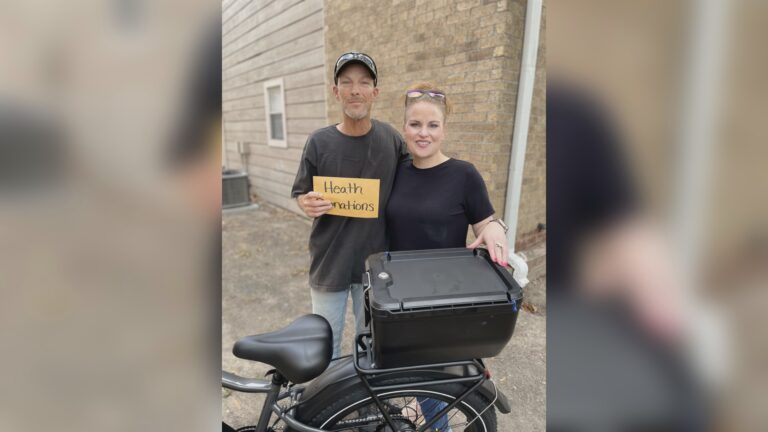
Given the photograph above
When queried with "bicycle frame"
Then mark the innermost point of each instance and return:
(272, 389)
(477, 379)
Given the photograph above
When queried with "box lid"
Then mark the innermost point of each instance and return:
(438, 278)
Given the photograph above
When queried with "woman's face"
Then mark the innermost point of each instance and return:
(424, 130)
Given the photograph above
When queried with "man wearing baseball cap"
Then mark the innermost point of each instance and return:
(358, 147)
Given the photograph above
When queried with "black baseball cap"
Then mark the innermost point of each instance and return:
(355, 57)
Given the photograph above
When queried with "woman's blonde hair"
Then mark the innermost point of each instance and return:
(444, 104)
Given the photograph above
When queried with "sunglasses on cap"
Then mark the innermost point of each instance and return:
(415, 94)
(359, 57)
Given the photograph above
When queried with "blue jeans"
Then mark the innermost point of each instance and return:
(333, 305)
(429, 408)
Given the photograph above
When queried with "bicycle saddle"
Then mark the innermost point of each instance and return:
(301, 351)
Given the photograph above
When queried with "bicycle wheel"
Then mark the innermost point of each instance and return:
(409, 409)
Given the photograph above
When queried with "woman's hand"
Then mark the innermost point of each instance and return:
(495, 239)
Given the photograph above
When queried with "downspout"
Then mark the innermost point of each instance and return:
(520, 134)
(698, 119)
(697, 151)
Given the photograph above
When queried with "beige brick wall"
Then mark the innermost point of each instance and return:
(471, 49)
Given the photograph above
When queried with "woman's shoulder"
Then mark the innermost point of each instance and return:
(467, 171)
(461, 166)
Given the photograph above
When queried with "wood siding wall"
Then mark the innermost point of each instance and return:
(264, 40)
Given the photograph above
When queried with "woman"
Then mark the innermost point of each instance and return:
(435, 198)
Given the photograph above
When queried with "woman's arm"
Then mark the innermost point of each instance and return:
(493, 236)
(478, 227)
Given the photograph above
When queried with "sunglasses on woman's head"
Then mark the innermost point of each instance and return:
(435, 94)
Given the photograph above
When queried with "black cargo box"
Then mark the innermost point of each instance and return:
(439, 305)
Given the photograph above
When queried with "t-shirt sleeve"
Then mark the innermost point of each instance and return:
(307, 169)
(476, 201)
(402, 149)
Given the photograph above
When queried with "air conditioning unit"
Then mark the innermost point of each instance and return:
(234, 191)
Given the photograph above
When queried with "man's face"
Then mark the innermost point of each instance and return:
(355, 91)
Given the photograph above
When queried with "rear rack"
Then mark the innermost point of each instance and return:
(364, 341)
(477, 379)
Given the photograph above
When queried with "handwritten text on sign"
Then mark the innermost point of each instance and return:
(352, 197)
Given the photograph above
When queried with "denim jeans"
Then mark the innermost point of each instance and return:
(429, 408)
(333, 305)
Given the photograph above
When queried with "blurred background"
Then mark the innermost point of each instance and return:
(657, 217)
(109, 207)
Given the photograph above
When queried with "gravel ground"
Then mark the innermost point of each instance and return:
(264, 287)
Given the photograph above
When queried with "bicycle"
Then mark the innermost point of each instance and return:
(307, 395)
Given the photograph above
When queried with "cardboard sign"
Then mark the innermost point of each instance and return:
(351, 197)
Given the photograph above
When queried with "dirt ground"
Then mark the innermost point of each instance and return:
(264, 287)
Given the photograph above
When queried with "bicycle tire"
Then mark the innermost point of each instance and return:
(347, 409)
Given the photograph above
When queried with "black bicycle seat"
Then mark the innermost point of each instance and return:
(301, 351)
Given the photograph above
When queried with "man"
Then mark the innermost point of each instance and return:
(358, 147)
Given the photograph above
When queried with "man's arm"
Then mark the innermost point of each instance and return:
(310, 202)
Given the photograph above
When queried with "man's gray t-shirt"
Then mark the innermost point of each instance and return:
(338, 245)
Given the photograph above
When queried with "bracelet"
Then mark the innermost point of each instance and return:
(503, 225)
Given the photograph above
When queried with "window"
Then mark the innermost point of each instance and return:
(274, 107)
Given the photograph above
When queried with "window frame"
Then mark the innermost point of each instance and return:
(278, 82)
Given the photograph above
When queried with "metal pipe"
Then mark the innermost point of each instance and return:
(697, 153)
(292, 422)
(378, 403)
(450, 406)
(244, 385)
(269, 401)
(698, 121)
(520, 134)
(428, 383)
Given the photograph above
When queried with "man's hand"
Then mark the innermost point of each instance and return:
(313, 204)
